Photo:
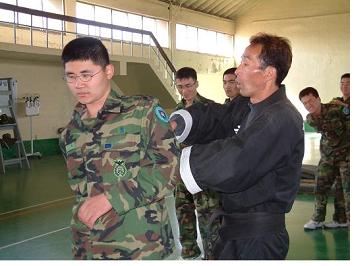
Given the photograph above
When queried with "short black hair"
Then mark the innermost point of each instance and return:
(276, 52)
(186, 72)
(308, 91)
(85, 48)
(229, 71)
(346, 75)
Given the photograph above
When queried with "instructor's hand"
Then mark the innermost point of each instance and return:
(173, 125)
(93, 208)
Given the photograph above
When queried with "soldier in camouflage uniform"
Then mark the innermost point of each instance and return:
(122, 162)
(186, 204)
(330, 121)
(344, 101)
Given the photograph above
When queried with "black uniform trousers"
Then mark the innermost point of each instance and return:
(252, 236)
(267, 247)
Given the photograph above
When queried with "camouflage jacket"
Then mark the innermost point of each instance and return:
(128, 153)
(333, 126)
(198, 99)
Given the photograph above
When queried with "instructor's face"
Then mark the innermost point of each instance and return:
(250, 75)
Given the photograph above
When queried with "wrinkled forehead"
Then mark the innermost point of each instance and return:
(252, 52)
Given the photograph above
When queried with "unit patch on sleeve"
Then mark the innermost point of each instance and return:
(161, 115)
(345, 110)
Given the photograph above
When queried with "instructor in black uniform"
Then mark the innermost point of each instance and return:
(250, 151)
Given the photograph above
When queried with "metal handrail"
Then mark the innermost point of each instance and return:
(65, 18)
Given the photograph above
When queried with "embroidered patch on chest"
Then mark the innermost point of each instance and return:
(108, 146)
(119, 169)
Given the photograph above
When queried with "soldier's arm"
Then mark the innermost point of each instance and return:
(314, 122)
(62, 144)
(199, 123)
(158, 172)
(338, 101)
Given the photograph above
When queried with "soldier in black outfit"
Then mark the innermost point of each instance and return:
(250, 151)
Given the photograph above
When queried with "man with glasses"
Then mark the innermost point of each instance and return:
(186, 203)
(121, 159)
(187, 84)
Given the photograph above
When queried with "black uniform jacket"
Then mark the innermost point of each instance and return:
(250, 153)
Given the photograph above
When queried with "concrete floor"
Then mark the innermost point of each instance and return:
(35, 211)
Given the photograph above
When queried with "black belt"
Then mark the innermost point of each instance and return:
(248, 225)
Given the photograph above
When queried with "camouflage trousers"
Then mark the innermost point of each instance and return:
(332, 171)
(186, 204)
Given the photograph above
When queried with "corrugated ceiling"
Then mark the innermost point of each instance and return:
(229, 9)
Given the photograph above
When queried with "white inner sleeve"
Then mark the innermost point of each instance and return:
(186, 173)
(188, 120)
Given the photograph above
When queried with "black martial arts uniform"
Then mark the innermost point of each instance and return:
(253, 161)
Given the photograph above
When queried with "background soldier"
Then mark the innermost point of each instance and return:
(186, 203)
(345, 89)
(229, 83)
(122, 162)
(330, 121)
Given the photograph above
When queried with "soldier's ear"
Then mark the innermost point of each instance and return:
(109, 70)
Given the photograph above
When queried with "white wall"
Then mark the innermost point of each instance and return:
(320, 38)
(55, 99)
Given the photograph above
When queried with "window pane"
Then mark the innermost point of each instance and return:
(121, 19)
(53, 7)
(7, 15)
(11, 2)
(162, 32)
(186, 38)
(103, 15)
(33, 4)
(207, 41)
(117, 34)
(181, 36)
(84, 11)
(149, 24)
(135, 22)
(25, 19)
(192, 39)
(224, 44)
(82, 29)
(203, 41)
(212, 42)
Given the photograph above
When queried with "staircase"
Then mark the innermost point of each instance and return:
(140, 68)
